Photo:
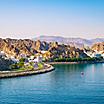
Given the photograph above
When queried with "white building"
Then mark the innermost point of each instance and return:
(31, 57)
(38, 59)
(3, 55)
(14, 59)
(102, 55)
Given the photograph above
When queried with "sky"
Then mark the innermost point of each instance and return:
(67, 18)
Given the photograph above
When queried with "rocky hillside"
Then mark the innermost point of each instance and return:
(98, 47)
(66, 51)
(14, 47)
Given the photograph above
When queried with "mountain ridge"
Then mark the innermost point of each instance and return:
(64, 40)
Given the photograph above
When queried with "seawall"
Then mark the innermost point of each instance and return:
(10, 74)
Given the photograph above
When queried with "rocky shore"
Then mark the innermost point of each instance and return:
(9, 74)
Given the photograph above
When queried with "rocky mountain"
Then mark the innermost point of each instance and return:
(98, 47)
(77, 42)
(66, 51)
(15, 47)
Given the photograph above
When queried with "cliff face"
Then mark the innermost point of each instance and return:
(66, 51)
(98, 47)
(14, 47)
(41, 45)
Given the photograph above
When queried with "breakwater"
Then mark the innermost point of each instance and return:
(9, 74)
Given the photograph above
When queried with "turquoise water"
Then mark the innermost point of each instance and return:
(65, 85)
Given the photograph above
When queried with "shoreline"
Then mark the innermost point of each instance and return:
(49, 68)
(86, 62)
(11, 74)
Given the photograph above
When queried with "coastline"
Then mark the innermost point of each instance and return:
(10, 74)
(86, 62)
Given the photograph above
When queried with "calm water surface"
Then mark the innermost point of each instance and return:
(65, 85)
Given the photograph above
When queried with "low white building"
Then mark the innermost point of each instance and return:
(31, 57)
(15, 60)
(43, 52)
(2, 53)
(38, 59)
(102, 55)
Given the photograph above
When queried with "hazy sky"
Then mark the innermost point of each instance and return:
(67, 18)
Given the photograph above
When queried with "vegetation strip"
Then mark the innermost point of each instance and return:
(10, 74)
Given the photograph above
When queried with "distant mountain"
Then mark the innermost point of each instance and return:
(78, 42)
(97, 40)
